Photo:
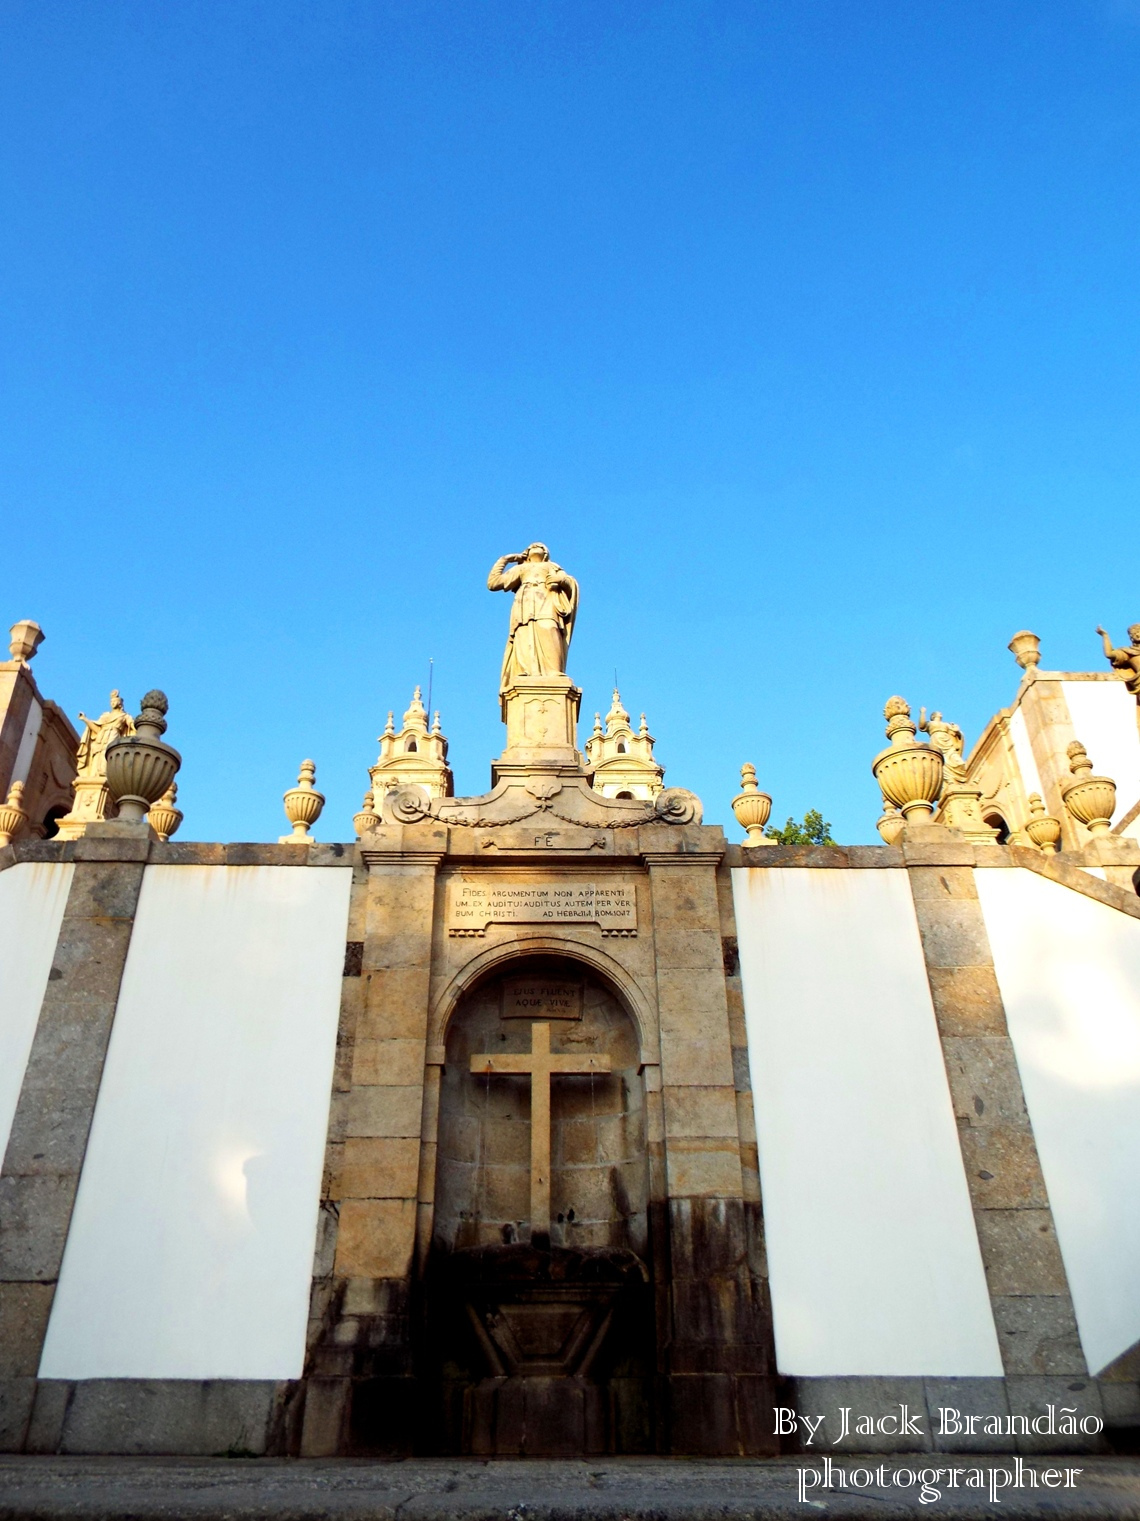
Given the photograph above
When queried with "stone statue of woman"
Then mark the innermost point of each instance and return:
(98, 734)
(542, 617)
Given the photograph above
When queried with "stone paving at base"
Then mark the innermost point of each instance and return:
(630, 1489)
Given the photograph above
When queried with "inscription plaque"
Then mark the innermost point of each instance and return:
(474, 905)
(541, 998)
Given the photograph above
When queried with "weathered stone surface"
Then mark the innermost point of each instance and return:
(170, 1416)
(375, 1238)
(379, 1167)
(34, 1215)
(1020, 1252)
(1002, 1168)
(393, 1062)
(985, 1083)
(691, 1111)
(953, 932)
(600, 1489)
(16, 1399)
(24, 1311)
(1038, 1334)
(1121, 1404)
(382, 1111)
(967, 1001)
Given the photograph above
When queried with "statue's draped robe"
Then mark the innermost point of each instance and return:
(542, 618)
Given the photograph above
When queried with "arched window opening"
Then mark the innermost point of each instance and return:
(51, 822)
(995, 821)
(411, 748)
(628, 795)
(621, 747)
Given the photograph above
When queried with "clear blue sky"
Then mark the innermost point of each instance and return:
(804, 332)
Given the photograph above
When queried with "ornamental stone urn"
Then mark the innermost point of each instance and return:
(1041, 827)
(140, 767)
(367, 818)
(164, 816)
(1090, 799)
(303, 804)
(908, 772)
(1026, 648)
(891, 825)
(25, 639)
(12, 815)
(752, 807)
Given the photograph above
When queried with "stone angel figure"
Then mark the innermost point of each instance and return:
(1125, 660)
(542, 616)
(98, 734)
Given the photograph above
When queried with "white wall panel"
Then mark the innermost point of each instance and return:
(1104, 720)
(191, 1245)
(1069, 972)
(32, 899)
(872, 1249)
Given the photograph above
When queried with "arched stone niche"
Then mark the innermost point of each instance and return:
(599, 1172)
(536, 1345)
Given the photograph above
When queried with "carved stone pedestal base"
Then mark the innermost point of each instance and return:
(93, 804)
(541, 715)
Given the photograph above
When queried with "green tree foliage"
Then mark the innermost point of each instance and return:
(813, 831)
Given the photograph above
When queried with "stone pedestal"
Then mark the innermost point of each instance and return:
(541, 715)
(962, 810)
(93, 804)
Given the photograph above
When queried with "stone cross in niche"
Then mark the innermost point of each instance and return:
(540, 1064)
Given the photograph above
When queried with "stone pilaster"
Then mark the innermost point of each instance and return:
(1049, 725)
(361, 1393)
(1029, 1289)
(57, 1101)
(714, 1349)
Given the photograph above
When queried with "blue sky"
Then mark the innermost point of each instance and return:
(804, 332)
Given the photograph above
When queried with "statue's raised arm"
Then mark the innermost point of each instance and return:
(1127, 660)
(542, 616)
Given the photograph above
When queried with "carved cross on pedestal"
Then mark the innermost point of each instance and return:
(540, 1064)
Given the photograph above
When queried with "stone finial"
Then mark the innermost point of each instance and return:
(435, 724)
(367, 818)
(908, 772)
(12, 816)
(25, 639)
(891, 824)
(1026, 648)
(390, 726)
(598, 730)
(617, 718)
(752, 807)
(165, 816)
(1089, 799)
(416, 715)
(140, 766)
(1041, 827)
(303, 804)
